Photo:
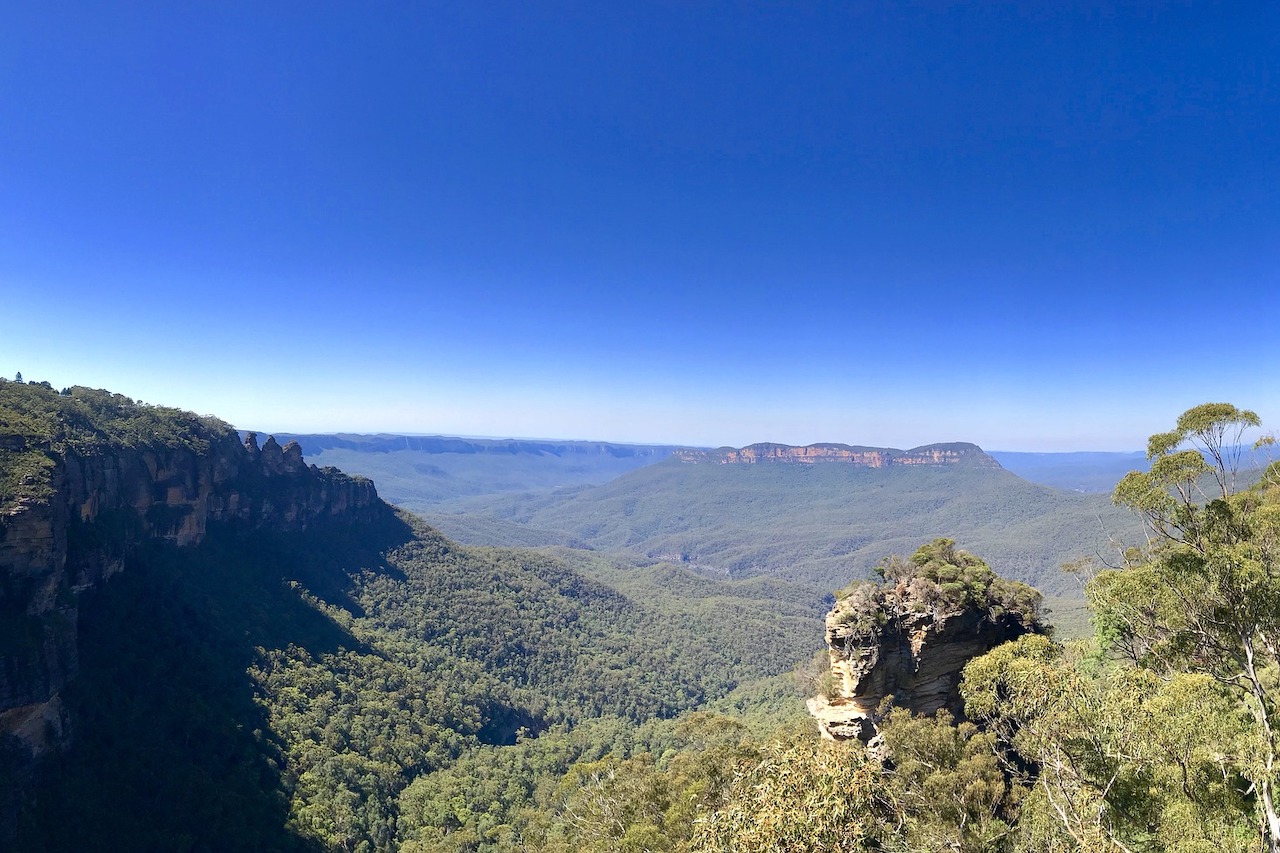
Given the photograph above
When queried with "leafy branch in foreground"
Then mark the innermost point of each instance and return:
(1204, 597)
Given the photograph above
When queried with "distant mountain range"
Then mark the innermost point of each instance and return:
(1084, 471)
(422, 471)
(815, 523)
(313, 444)
(818, 514)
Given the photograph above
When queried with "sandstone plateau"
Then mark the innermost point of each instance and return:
(950, 454)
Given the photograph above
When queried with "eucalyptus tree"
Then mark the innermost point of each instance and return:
(1203, 596)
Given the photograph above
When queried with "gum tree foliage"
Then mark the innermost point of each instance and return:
(645, 803)
(944, 791)
(1111, 758)
(802, 795)
(1203, 598)
(949, 787)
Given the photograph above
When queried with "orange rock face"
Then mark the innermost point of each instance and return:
(957, 453)
(903, 643)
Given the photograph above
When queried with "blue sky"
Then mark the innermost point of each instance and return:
(1033, 228)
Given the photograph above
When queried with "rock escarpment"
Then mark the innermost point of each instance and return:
(85, 477)
(951, 454)
(904, 642)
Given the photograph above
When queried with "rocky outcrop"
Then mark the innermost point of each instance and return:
(75, 523)
(951, 454)
(904, 643)
(915, 658)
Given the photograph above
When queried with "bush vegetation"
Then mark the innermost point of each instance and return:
(36, 423)
(382, 688)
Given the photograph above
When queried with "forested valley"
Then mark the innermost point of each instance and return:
(369, 684)
(375, 690)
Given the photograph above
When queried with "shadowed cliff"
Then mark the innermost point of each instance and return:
(92, 485)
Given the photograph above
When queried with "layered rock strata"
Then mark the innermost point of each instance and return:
(903, 645)
(76, 526)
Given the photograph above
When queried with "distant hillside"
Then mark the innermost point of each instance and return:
(817, 523)
(426, 473)
(422, 471)
(819, 527)
(1075, 472)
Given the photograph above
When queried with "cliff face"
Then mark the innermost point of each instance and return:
(915, 657)
(956, 453)
(71, 520)
(911, 637)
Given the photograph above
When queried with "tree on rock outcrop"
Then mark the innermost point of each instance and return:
(906, 640)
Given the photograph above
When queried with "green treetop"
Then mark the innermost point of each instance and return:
(1204, 597)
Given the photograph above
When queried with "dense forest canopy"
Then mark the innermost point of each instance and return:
(380, 687)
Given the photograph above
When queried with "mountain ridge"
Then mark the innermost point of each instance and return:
(943, 453)
(314, 443)
(420, 471)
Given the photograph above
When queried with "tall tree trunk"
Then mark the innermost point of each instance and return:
(1266, 788)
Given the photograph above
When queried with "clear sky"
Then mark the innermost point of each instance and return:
(1032, 226)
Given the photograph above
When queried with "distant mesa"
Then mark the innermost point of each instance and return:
(951, 453)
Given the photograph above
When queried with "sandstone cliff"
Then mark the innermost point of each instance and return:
(905, 641)
(955, 453)
(84, 477)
